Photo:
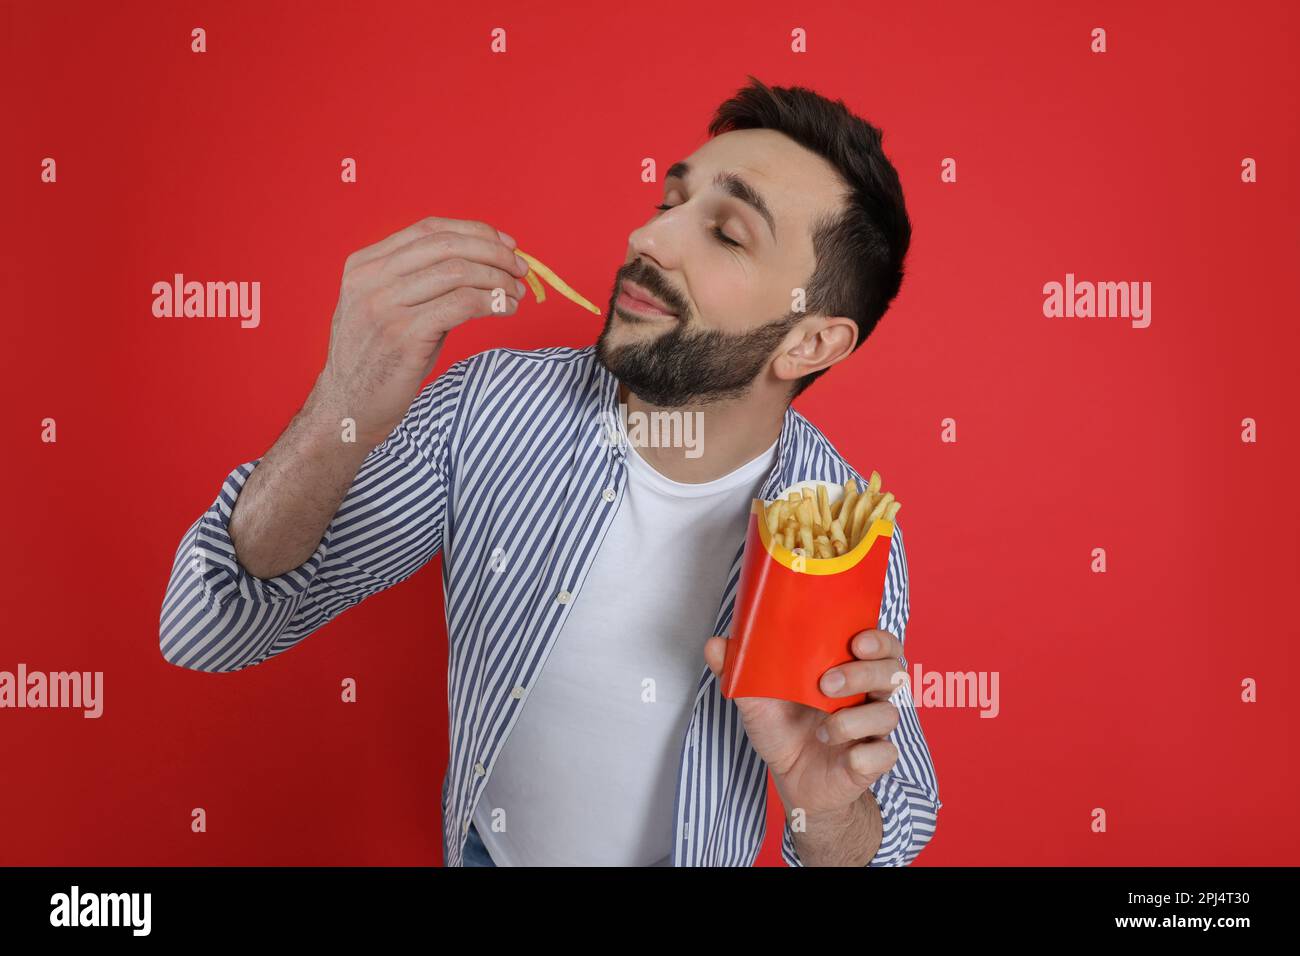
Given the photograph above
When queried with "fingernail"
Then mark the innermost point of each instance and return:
(822, 735)
(519, 288)
(508, 239)
(523, 263)
(832, 682)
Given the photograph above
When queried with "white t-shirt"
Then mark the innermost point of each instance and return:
(588, 774)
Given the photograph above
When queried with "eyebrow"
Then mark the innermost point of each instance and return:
(733, 185)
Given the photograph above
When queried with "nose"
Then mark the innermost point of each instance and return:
(654, 243)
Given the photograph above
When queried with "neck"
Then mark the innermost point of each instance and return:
(722, 435)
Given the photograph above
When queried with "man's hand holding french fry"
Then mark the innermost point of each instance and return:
(824, 764)
(398, 300)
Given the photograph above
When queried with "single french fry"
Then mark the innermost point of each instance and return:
(811, 499)
(849, 499)
(892, 510)
(838, 536)
(824, 507)
(806, 539)
(873, 483)
(879, 510)
(558, 284)
(539, 292)
(807, 514)
(822, 544)
(861, 508)
(772, 515)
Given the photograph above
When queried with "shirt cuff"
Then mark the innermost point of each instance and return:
(896, 823)
(212, 556)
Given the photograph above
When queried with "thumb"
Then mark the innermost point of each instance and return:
(715, 654)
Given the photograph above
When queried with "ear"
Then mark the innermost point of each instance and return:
(816, 346)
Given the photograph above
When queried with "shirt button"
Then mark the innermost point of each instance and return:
(478, 770)
(564, 597)
(517, 693)
(609, 494)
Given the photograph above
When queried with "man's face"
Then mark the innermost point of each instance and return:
(730, 304)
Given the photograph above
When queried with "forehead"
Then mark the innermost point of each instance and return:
(798, 184)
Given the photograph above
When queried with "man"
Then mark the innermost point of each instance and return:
(584, 576)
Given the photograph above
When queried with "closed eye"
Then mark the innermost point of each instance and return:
(717, 231)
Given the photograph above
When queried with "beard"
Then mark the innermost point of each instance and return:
(685, 365)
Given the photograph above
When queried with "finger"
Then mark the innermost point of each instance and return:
(434, 319)
(425, 227)
(896, 681)
(871, 758)
(874, 644)
(860, 677)
(854, 723)
(442, 277)
(426, 251)
(715, 654)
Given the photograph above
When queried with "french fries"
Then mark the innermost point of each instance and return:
(558, 284)
(808, 521)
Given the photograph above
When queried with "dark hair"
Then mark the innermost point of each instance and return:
(859, 251)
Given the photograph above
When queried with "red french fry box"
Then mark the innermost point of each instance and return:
(795, 615)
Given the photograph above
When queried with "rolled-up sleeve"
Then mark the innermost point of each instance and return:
(908, 795)
(216, 616)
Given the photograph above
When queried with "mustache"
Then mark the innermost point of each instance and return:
(653, 283)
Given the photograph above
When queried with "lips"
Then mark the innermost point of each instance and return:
(643, 298)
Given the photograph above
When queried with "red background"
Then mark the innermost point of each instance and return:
(1118, 690)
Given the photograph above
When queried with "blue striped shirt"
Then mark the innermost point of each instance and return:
(509, 452)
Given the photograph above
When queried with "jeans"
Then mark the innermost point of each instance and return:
(476, 853)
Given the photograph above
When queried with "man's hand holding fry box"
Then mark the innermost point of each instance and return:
(805, 644)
